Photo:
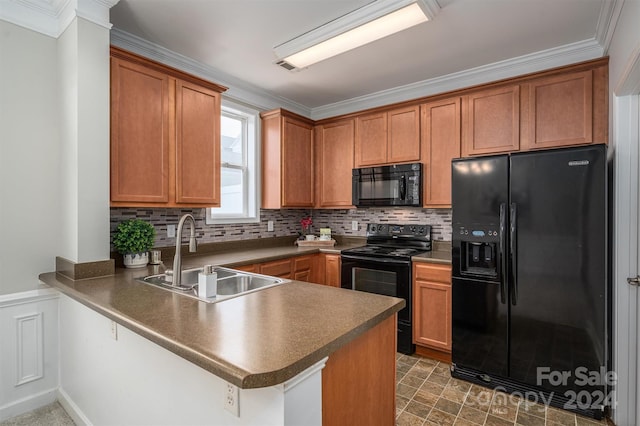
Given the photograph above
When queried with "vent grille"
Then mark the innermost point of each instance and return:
(286, 65)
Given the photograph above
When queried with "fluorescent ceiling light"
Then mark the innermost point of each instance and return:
(369, 23)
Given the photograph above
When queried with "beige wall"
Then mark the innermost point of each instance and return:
(54, 150)
(29, 157)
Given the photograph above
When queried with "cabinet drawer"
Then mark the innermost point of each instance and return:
(277, 268)
(302, 263)
(254, 268)
(432, 272)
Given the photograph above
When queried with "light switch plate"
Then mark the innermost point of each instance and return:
(354, 225)
(171, 231)
(270, 225)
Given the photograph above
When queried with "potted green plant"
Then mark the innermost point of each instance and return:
(133, 239)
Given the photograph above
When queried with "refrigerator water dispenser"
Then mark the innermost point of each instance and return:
(479, 258)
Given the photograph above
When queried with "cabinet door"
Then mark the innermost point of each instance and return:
(403, 137)
(332, 270)
(139, 133)
(297, 164)
(441, 143)
(491, 121)
(432, 306)
(560, 111)
(197, 145)
(371, 140)
(303, 268)
(277, 268)
(335, 163)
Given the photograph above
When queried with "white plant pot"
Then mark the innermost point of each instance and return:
(136, 260)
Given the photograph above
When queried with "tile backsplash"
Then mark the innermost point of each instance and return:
(287, 222)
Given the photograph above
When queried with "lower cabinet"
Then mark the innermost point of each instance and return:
(331, 269)
(320, 268)
(277, 268)
(304, 268)
(253, 268)
(432, 306)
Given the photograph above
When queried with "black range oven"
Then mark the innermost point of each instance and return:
(383, 266)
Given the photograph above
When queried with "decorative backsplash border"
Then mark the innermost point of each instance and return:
(287, 222)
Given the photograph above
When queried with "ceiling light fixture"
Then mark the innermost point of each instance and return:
(371, 22)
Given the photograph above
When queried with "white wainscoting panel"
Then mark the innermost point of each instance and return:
(29, 351)
(30, 347)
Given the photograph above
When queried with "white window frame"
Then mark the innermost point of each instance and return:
(251, 166)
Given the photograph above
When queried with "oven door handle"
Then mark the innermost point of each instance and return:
(375, 260)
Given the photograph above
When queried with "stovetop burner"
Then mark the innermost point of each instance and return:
(394, 241)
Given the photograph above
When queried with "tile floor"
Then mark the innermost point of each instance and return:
(428, 395)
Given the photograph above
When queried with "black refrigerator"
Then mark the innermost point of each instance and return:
(530, 302)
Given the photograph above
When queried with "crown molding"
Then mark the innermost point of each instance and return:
(52, 17)
(239, 90)
(629, 82)
(539, 61)
(607, 20)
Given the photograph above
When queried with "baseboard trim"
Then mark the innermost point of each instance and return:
(30, 403)
(72, 409)
(433, 354)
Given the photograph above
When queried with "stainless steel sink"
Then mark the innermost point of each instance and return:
(230, 283)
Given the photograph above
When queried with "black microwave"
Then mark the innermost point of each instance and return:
(394, 185)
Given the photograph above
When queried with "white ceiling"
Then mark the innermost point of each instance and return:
(236, 38)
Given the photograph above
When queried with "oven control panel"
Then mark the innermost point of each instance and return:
(390, 230)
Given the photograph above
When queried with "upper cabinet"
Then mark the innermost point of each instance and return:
(556, 109)
(440, 144)
(165, 135)
(334, 153)
(559, 111)
(491, 121)
(388, 137)
(287, 160)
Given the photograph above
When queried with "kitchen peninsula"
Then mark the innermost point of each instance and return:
(171, 358)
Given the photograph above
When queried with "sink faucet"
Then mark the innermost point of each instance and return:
(177, 259)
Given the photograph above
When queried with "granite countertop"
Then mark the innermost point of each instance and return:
(256, 340)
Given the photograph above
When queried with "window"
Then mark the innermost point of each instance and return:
(238, 166)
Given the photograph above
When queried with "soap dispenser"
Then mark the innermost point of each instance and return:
(207, 282)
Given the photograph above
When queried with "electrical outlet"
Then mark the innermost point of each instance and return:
(171, 231)
(354, 225)
(114, 330)
(270, 225)
(232, 400)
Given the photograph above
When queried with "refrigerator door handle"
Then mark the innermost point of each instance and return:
(502, 253)
(513, 255)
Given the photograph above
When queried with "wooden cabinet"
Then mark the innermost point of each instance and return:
(334, 153)
(388, 137)
(331, 269)
(253, 268)
(440, 143)
(277, 268)
(559, 111)
(432, 306)
(304, 268)
(321, 268)
(165, 135)
(287, 160)
(197, 145)
(491, 121)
